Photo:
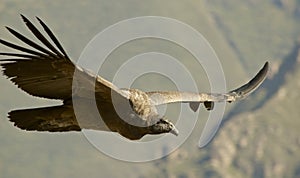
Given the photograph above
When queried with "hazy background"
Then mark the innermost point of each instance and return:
(259, 137)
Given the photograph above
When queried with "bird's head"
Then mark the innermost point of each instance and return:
(164, 126)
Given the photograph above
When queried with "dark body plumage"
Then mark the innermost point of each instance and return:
(48, 72)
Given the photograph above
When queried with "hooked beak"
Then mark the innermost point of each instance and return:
(174, 131)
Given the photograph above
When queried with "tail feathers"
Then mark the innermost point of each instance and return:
(53, 119)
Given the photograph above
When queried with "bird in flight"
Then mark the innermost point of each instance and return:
(47, 71)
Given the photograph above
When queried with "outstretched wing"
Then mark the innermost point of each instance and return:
(46, 71)
(161, 97)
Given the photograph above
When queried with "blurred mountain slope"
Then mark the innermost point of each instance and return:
(244, 34)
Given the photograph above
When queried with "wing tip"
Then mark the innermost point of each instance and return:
(266, 66)
(255, 82)
(7, 27)
(264, 71)
(25, 19)
(40, 20)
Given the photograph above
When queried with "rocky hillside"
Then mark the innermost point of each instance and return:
(263, 142)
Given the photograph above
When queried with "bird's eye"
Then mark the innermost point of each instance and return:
(162, 121)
